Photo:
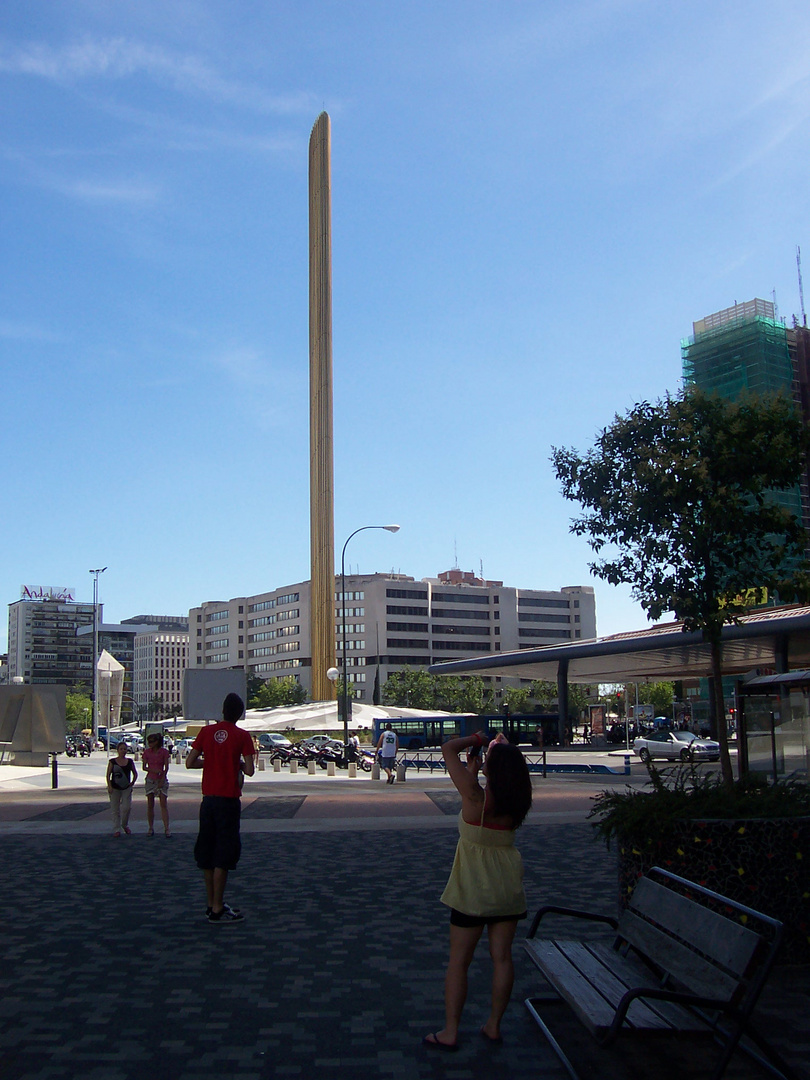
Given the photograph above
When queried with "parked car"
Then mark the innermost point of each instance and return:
(676, 746)
(272, 740)
(317, 741)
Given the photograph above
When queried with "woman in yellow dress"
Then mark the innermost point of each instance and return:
(485, 887)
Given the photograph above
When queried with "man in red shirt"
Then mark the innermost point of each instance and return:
(225, 754)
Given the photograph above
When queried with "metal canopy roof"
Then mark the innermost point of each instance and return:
(662, 652)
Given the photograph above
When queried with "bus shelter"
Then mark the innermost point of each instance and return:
(769, 642)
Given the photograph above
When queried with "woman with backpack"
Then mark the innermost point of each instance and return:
(121, 777)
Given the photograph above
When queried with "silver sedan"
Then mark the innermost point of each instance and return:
(676, 746)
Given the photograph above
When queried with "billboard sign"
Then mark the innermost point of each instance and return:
(64, 593)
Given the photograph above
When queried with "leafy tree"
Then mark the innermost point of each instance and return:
(78, 710)
(412, 687)
(254, 684)
(544, 692)
(517, 698)
(467, 694)
(658, 694)
(682, 491)
(579, 698)
(275, 692)
(417, 689)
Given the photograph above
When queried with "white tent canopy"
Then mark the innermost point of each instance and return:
(323, 716)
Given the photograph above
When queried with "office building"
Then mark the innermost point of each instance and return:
(392, 621)
(43, 646)
(161, 657)
(147, 684)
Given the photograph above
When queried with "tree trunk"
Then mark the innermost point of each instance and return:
(720, 711)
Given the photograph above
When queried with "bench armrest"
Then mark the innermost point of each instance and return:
(660, 993)
(551, 909)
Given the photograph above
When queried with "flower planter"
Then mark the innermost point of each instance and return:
(763, 863)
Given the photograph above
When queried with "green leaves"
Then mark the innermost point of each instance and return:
(681, 500)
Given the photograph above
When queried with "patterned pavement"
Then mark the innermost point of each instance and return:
(110, 971)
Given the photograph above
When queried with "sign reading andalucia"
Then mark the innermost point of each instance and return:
(48, 592)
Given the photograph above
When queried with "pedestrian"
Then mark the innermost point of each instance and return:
(156, 760)
(387, 746)
(121, 777)
(485, 887)
(225, 754)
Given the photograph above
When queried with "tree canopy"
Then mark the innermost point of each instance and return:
(275, 692)
(681, 497)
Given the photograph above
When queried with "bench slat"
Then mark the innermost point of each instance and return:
(601, 973)
(696, 974)
(728, 942)
(633, 973)
(590, 1007)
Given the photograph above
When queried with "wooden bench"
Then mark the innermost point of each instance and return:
(684, 959)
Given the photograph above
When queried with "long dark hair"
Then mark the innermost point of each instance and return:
(508, 783)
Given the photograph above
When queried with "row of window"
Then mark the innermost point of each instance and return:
(454, 613)
(216, 616)
(339, 596)
(463, 598)
(276, 665)
(281, 631)
(279, 601)
(407, 594)
(544, 618)
(534, 601)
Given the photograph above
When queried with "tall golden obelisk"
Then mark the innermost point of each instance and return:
(321, 483)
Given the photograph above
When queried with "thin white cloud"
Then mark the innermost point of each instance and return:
(266, 389)
(109, 191)
(16, 331)
(120, 58)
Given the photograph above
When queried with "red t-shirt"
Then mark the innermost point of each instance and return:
(223, 745)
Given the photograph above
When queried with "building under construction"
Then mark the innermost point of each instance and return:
(746, 348)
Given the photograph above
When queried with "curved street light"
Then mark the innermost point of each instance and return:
(344, 689)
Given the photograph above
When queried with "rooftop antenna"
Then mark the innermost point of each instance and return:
(455, 553)
(801, 287)
(481, 564)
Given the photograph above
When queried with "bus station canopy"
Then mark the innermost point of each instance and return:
(770, 640)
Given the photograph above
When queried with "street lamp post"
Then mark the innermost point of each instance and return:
(94, 725)
(344, 689)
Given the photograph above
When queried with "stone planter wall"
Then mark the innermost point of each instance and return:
(764, 864)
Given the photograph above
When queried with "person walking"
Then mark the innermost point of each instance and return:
(225, 754)
(121, 777)
(485, 887)
(156, 760)
(387, 746)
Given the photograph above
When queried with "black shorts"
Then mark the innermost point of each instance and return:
(458, 918)
(218, 843)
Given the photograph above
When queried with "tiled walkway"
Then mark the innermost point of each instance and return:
(110, 971)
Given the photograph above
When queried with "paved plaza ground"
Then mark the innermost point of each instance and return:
(111, 972)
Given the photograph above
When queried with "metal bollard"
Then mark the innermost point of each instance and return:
(401, 772)
(54, 773)
(544, 764)
(626, 764)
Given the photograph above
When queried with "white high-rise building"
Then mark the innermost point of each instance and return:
(392, 621)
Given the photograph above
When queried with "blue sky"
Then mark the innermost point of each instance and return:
(531, 204)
